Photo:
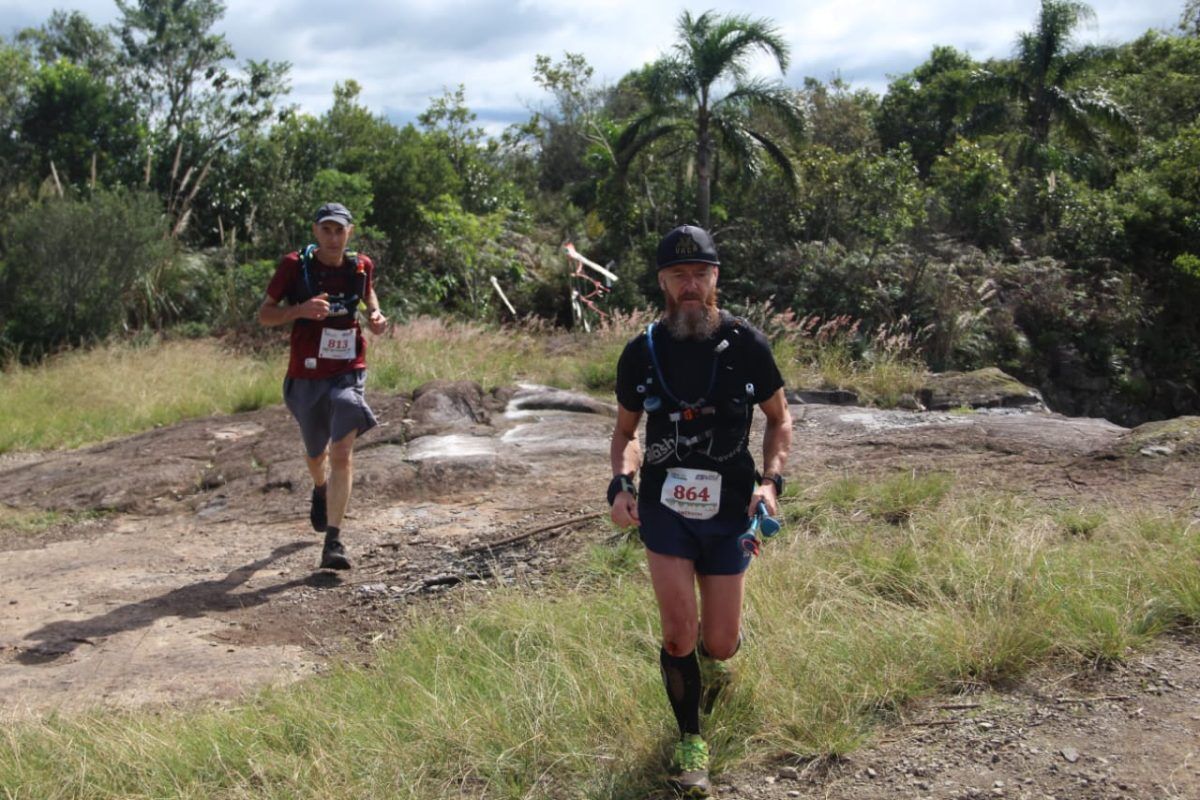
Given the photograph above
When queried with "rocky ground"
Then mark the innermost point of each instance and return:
(1130, 732)
(185, 573)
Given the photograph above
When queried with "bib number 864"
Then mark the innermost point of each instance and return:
(691, 493)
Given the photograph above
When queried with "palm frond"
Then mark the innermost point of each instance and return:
(738, 144)
(1083, 114)
(633, 141)
(769, 97)
(715, 46)
(778, 156)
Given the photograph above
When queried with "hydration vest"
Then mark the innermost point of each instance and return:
(715, 425)
(342, 306)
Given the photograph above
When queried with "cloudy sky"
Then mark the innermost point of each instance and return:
(403, 52)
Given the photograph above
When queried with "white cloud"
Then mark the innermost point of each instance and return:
(405, 52)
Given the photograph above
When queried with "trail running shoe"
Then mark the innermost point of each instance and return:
(317, 513)
(333, 556)
(689, 770)
(715, 677)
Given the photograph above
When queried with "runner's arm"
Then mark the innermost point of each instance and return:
(272, 313)
(375, 318)
(625, 455)
(777, 441)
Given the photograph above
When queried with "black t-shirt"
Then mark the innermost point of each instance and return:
(745, 375)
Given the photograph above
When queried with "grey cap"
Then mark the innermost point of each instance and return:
(334, 211)
(684, 245)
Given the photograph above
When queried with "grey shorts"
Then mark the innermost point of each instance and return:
(328, 408)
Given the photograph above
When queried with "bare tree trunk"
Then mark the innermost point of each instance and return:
(703, 179)
(703, 161)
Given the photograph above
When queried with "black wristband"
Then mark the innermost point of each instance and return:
(774, 478)
(621, 483)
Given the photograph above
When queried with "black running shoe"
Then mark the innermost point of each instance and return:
(317, 514)
(333, 556)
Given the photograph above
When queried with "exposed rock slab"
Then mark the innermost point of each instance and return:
(982, 388)
(1179, 437)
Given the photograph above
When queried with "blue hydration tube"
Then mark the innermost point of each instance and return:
(762, 523)
(712, 379)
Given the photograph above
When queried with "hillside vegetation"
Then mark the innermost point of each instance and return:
(1036, 212)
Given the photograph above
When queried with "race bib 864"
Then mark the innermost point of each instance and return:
(692, 493)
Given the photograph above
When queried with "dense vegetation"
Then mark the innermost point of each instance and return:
(1040, 213)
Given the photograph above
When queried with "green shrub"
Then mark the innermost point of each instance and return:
(74, 265)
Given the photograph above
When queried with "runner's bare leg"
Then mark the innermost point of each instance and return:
(316, 467)
(340, 477)
(674, 581)
(721, 599)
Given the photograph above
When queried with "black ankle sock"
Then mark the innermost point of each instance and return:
(331, 534)
(681, 677)
(320, 490)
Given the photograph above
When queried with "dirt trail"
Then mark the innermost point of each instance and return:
(196, 583)
(199, 582)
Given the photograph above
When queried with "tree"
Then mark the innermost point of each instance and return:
(1157, 77)
(1189, 22)
(683, 88)
(180, 69)
(180, 72)
(15, 72)
(72, 36)
(921, 108)
(975, 192)
(838, 117)
(1042, 82)
(72, 266)
(450, 125)
(80, 124)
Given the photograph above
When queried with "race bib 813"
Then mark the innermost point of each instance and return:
(338, 344)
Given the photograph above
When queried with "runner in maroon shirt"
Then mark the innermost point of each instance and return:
(319, 290)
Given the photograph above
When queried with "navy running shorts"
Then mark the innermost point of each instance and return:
(712, 544)
(328, 408)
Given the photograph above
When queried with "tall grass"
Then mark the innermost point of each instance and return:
(881, 365)
(438, 349)
(85, 396)
(849, 616)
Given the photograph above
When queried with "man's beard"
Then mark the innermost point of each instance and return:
(697, 322)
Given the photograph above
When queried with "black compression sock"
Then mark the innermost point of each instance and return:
(681, 677)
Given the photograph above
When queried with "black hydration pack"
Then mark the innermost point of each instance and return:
(717, 424)
(342, 305)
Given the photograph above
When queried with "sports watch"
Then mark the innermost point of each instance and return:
(621, 483)
(776, 479)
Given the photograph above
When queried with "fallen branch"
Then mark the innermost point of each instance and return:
(1097, 699)
(480, 548)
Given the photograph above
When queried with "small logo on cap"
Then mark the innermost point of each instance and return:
(685, 245)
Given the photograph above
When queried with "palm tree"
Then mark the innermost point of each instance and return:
(684, 100)
(1040, 81)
